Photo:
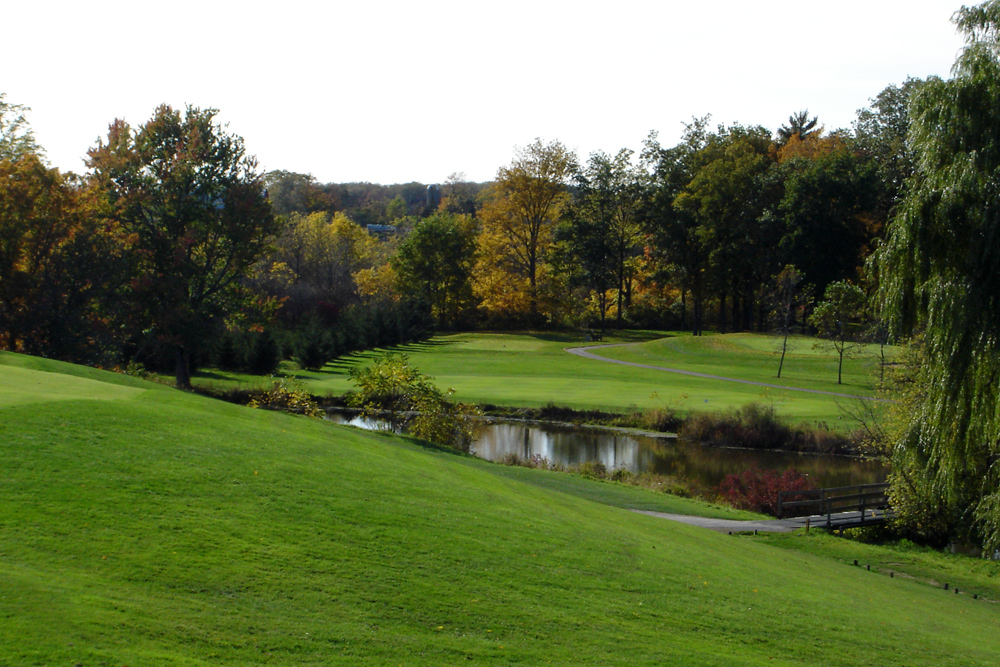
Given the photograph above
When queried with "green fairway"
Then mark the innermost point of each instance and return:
(140, 525)
(530, 370)
(754, 357)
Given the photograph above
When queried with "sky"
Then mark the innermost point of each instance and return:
(394, 92)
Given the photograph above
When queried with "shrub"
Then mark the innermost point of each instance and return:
(535, 461)
(593, 469)
(757, 490)
(756, 426)
(390, 387)
(314, 346)
(286, 395)
(622, 475)
(228, 352)
(263, 353)
(664, 420)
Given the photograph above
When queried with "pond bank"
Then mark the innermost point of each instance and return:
(613, 452)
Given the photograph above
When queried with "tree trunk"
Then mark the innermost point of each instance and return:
(183, 371)
(684, 310)
(722, 313)
(784, 346)
(621, 296)
(840, 362)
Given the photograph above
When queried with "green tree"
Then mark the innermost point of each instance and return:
(880, 131)
(827, 211)
(788, 295)
(679, 252)
(730, 197)
(16, 137)
(839, 318)
(435, 261)
(940, 274)
(459, 195)
(605, 225)
(584, 252)
(799, 125)
(193, 207)
(396, 209)
(290, 192)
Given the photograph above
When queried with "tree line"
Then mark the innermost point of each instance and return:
(175, 251)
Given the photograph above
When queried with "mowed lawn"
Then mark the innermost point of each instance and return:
(140, 525)
(532, 370)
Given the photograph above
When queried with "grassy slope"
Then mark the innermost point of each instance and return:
(149, 526)
(534, 369)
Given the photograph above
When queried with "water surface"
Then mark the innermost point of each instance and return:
(568, 445)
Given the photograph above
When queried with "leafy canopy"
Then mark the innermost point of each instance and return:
(941, 276)
(196, 216)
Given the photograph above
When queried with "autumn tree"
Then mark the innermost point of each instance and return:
(322, 253)
(291, 192)
(192, 204)
(521, 212)
(459, 195)
(56, 263)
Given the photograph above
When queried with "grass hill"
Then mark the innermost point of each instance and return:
(140, 525)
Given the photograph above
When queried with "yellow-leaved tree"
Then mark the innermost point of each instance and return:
(517, 223)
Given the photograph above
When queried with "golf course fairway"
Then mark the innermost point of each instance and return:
(534, 369)
(141, 525)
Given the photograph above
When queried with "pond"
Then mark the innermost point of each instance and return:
(569, 445)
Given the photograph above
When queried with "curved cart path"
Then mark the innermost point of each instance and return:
(731, 525)
(766, 525)
(587, 354)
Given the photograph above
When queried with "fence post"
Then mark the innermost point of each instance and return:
(863, 499)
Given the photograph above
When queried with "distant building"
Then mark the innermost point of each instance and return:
(381, 230)
(433, 196)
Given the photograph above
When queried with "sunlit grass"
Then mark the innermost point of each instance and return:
(164, 528)
(533, 369)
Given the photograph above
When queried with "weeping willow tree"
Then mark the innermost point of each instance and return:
(941, 279)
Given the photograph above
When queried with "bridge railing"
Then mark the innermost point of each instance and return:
(862, 497)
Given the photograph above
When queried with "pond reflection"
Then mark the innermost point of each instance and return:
(567, 445)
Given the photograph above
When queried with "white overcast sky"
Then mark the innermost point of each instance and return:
(392, 92)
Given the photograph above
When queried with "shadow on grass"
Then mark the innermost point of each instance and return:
(428, 344)
(640, 335)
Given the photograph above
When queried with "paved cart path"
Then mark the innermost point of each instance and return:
(586, 353)
(769, 525)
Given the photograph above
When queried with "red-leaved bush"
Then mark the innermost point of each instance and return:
(757, 490)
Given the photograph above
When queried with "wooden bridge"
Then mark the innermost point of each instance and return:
(836, 508)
